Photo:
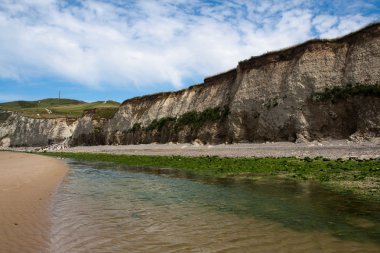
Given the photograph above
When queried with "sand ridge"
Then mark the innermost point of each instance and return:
(27, 183)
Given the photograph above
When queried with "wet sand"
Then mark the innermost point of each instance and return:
(27, 183)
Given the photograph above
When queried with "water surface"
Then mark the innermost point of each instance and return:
(108, 208)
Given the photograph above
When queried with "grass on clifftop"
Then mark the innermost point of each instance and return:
(359, 176)
(58, 107)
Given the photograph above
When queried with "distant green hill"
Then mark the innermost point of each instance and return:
(54, 108)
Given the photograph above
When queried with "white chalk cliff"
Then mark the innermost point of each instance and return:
(269, 98)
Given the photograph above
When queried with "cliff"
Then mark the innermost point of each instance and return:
(320, 89)
(19, 131)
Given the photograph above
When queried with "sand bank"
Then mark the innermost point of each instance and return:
(333, 149)
(26, 185)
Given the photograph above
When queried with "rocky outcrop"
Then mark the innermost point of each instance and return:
(265, 98)
(89, 130)
(17, 130)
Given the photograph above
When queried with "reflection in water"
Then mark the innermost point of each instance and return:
(105, 208)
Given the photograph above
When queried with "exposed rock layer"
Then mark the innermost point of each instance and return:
(17, 130)
(269, 98)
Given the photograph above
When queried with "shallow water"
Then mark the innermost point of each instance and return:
(107, 208)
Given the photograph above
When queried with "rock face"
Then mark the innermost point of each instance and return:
(269, 98)
(18, 131)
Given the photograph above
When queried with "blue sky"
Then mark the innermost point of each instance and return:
(99, 50)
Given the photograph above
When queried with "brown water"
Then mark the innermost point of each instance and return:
(105, 208)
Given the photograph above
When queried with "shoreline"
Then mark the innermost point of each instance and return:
(27, 183)
(357, 176)
(328, 149)
(332, 149)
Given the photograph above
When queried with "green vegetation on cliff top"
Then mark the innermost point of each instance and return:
(59, 107)
(359, 176)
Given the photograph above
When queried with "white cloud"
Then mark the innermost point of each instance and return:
(101, 43)
(324, 23)
(331, 27)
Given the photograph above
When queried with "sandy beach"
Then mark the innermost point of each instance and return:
(27, 183)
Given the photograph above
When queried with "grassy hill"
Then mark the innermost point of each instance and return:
(55, 108)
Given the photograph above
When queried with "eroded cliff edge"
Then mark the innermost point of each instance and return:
(17, 130)
(321, 89)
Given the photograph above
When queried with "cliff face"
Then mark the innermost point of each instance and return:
(266, 98)
(17, 130)
(269, 98)
(272, 99)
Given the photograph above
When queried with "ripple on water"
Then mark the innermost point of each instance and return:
(104, 208)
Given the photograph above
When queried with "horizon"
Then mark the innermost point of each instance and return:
(109, 50)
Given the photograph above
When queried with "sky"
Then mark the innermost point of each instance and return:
(117, 49)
